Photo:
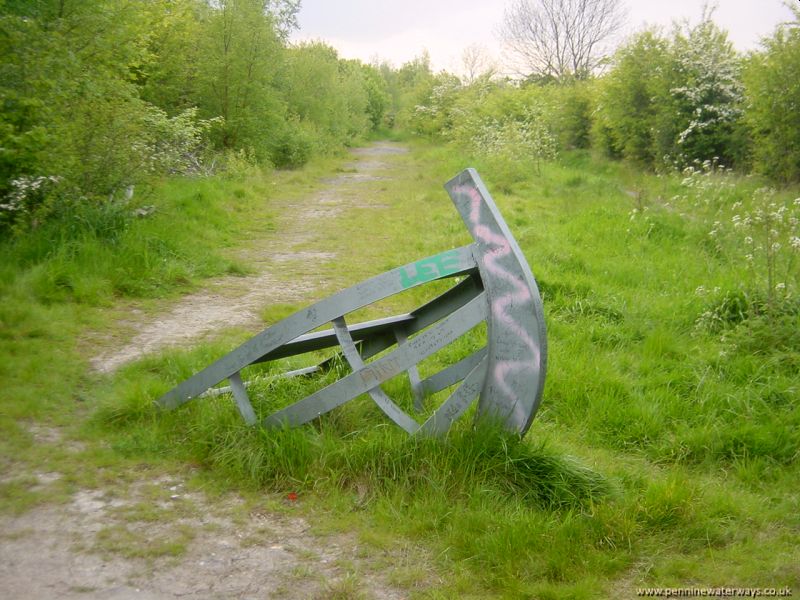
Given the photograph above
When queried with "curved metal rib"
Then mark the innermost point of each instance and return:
(508, 374)
(390, 409)
(517, 344)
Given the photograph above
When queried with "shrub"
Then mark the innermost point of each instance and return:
(631, 99)
(707, 93)
(292, 147)
(772, 88)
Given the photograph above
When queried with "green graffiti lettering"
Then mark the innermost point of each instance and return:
(429, 269)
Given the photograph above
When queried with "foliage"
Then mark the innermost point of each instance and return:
(516, 127)
(437, 114)
(240, 54)
(521, 137)
(328, 95)
(283, 14)
(653, 456)
(670, 418)
(669, 102)
(772, 86)
(378, 98)
(634, 100)
(753, 230)
(572, 122)
(100, 96)
(409, 86)
(706, 92)
(770, 237)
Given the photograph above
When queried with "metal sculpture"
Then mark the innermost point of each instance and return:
(497, 287)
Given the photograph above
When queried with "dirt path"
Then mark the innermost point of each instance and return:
(93, 548)
(152, 536)
(235, 301)
(154, 539)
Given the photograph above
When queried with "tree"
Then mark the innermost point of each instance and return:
(676, 100)
(283, 14)
(633, 97)
(241, 55)
(559, 39)
(377, 95)
(772, 84)
(707, 93)
(411, 86)
(476, 64)
(71, 109)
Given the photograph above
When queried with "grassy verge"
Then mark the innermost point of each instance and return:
(665, 453)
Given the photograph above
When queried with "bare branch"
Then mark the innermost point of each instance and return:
(559, 39)
(476, 64)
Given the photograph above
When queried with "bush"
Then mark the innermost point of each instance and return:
(707, 93)
(631, 99)
(292, 147)
(675, 100)
(772, 87)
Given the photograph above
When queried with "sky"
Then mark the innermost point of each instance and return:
(399, 30)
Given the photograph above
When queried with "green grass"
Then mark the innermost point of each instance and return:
(665, 452)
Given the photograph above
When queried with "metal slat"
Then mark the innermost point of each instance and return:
(458, 402)
(319, 340)
(242, 401)
(452, 374)
(428, 314)
(425, 344)
(422, 317)
(413, 373)
(214, 392)
(394, 412)
(445, 264)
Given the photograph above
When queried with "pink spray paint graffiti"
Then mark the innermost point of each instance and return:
(498, 248)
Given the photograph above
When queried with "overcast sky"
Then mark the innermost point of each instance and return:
(399, 30)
